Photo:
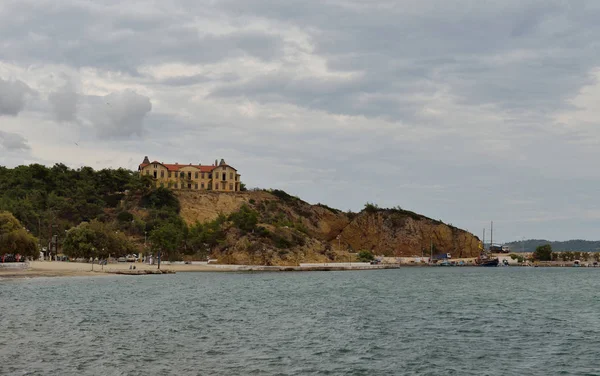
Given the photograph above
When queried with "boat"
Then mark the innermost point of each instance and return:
(487, 260)
(485, 256)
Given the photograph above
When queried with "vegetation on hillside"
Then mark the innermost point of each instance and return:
(117, 212)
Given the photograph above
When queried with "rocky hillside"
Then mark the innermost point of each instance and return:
(272, 227)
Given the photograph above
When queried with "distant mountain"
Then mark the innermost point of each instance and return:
(569, 245)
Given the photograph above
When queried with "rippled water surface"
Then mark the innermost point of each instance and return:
(412, 321)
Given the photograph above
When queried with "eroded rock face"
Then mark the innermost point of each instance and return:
(391, 234)
(388, 232)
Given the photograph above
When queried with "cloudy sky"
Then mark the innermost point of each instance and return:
(467, 111)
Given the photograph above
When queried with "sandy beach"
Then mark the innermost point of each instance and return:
(65, 269)
(70, 269)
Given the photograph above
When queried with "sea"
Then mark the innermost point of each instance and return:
(407, 321)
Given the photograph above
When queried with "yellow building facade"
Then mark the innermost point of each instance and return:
(219, 177)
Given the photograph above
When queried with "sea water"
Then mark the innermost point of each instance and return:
(409, 321)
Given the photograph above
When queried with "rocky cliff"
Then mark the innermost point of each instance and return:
(286, 230)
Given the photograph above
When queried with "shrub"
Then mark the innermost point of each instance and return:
(244, 219)
(283, 195)
(125, 216)
(334, 211)
(161, 198)
(365, 256)
(543, 253)
(371, 208)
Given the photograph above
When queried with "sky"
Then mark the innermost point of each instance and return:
(467, 111)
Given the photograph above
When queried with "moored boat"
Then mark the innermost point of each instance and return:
(485, 260)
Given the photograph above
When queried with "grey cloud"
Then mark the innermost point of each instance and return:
(64, 104)
(119, 115)
(364, 95)
(472, 50)
(13, 141)
(12, 97)
(102, 36)
(199, 78)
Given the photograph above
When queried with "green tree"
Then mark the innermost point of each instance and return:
(245, 219)
(543, 253)
(15, 239)
(125, 216)
(365, 256)
(166, 241)
(96, 239)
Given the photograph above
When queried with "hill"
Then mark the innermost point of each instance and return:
(288, 229)
(83, 209)
(557, 246)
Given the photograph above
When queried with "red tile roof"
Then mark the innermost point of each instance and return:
(176, 167)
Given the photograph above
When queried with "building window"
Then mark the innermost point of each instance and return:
(196, 175)
(182, 174)
(196, 186)
(162, 174)
(170, 184)
(175, 186)
(203, 175)
(155, 165)
(202, 185)
(231, 175)
(189, 176)
(210, 176)
(154, 174)
(169, 173)
(230, 187)
(224, 176)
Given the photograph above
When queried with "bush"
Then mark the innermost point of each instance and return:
(262, 232)
(543, 253)
(371, 208)
(334, 211)
(365, 256)
(161, 198)
(244, 219)
(125, 216)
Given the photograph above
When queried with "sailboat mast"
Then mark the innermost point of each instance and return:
(431, 251)
(492, 235)
(484, 238)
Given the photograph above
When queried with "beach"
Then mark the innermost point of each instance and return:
(66, 269)
(73, 269)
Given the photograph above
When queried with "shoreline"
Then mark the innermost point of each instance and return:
(38, 269)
